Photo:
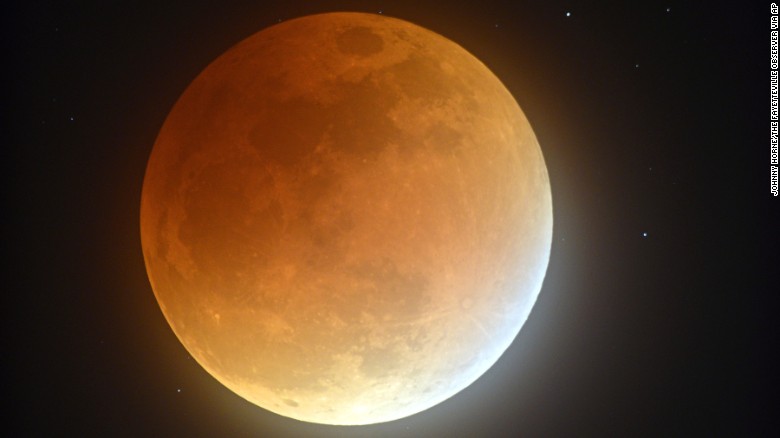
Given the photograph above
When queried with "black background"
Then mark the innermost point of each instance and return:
(668, 334)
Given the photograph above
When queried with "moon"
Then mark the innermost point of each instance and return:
(346, 219)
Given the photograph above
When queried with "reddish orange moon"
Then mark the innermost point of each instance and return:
(346, 218)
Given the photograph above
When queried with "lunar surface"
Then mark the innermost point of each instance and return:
(346, 219)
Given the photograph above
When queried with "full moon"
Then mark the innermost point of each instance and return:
(346, 219)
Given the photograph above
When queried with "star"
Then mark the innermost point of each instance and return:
(668, 9)
(568, 14)
(178, 389)
(644, 234)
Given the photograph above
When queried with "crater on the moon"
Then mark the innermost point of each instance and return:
(359, 40)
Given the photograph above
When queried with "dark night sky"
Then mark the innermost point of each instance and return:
(668, 334)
